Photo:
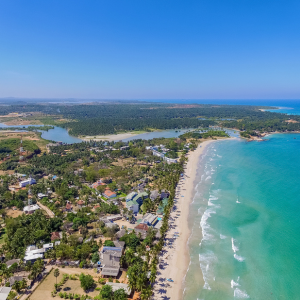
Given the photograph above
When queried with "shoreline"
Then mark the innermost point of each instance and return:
(176, 258)
(111, 137)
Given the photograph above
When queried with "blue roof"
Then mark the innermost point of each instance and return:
(112, 248)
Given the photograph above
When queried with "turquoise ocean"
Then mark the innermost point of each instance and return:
(245, 221)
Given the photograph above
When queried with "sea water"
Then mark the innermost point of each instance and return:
(245, 221)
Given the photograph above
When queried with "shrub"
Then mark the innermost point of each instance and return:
(109, 243)
(101, 280)
(110, 279)
(86, 281)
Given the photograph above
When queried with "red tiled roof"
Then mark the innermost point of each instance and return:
(68, 206)
(80, 202)
(109, 193)
(55, 236)
(142, 227)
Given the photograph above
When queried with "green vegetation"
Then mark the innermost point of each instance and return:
(10, 145)
(86, 281)
(29, 128)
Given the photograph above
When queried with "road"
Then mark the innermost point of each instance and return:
(45, 208)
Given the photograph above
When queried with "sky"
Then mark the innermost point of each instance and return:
(150, 49)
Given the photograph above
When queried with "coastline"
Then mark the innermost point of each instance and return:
(175, 259)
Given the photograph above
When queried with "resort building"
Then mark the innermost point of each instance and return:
(149, 219)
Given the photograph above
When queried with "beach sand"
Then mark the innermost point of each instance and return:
(175, 259)
(111, 137)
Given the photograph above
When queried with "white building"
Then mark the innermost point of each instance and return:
(29, 209)
(26, 182)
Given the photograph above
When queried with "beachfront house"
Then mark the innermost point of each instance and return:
(110, 261)
(149, 219)
(161, 207)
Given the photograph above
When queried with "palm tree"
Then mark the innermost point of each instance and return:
(17, 286)
(56, 274)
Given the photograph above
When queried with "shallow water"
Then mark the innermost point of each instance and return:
(245, 221)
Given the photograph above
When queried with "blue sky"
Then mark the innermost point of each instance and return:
(148, 49)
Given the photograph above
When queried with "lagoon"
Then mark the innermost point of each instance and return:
(59, 134)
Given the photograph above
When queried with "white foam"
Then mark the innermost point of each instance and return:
(207, 178)
(240, 294)
(222, 237)
(233, 246)
(203, 224)
(237, 201)
(239, 258)
(206, 264)
(233, 284)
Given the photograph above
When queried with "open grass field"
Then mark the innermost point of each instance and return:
(29, 136)
(43, 291)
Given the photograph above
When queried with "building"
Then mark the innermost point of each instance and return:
(120, 233)
(13, 279)
(154, 195)
(117, 286)
(56, 236)
(27, 181)
(30, 209)
(4, 292)
(80, 203)
(111, 218)
(149, 219)
(164, 194)
(9, 263)
(142, 229)
(139, 198)
(41, 195)
(110, 261)
(68, 207)
(109, 194)
(130, 196)
(133, 206)
(161, 207)
(97, 183)
(53, 145)
(119, 244)
(32, 253)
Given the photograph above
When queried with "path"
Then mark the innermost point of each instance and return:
(45, 208)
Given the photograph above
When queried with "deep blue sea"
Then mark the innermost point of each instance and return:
(245, 221)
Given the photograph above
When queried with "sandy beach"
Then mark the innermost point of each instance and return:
(175, 258)
(111, 137)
